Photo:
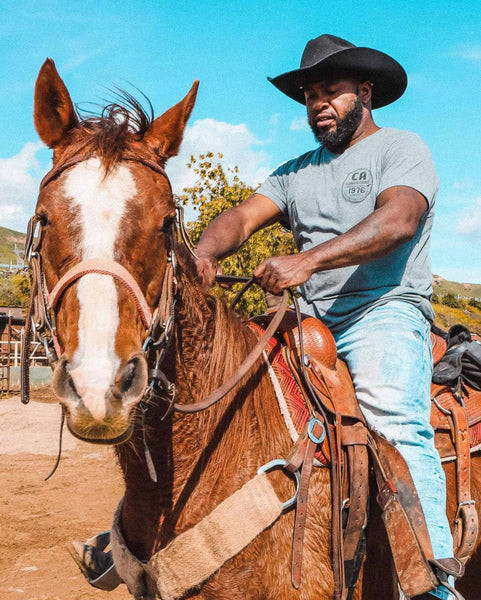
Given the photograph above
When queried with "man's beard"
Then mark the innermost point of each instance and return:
(345, 128)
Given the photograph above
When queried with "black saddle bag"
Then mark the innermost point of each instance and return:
(471, 371)
(462, 361)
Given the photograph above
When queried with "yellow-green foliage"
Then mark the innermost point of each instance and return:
(22, 284)
(447, 316)
(214, 193)
(15, 289)
(8, 239)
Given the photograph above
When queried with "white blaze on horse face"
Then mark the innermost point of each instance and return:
(101, 203)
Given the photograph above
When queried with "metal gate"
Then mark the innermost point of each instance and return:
(6, 351)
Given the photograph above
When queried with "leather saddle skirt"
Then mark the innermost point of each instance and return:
(320, 350)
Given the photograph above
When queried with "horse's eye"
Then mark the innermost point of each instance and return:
(167, 225)
(43, 218)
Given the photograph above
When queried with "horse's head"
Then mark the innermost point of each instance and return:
(106, 201)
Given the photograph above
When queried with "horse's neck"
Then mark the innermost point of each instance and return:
(203, 457)
(211, 343)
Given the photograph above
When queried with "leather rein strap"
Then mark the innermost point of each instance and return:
(48, 301)
(241, 371)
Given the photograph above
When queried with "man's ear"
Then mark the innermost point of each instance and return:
(166, 132)
(53, 112)
(365, 92)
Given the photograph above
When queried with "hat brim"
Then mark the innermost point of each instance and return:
(387, 75)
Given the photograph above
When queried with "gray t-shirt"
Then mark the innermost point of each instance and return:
(323, 195)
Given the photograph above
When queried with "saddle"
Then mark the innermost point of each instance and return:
(456, 420)
(325, 383)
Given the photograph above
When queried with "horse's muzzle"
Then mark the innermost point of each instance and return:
(101, 414)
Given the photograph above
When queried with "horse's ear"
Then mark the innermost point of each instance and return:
(166, 132)
(53, 112)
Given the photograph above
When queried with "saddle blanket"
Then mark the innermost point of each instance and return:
(289, 396)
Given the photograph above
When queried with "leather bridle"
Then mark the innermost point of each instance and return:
(159, 325)
(41, 316)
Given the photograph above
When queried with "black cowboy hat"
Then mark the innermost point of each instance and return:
(328, 56)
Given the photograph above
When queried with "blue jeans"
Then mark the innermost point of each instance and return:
(442, 593)
(388, 352)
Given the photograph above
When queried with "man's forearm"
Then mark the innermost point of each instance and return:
(371, 239)
(374, 237)
(223, 236)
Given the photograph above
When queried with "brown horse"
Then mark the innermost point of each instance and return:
(108, 199)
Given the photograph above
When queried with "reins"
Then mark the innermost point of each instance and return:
(41, 320)
(243, 369)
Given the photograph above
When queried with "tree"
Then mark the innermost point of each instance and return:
(214, 193)
(8, 294)
(22, 284)
(474, 303)
(453, 302)
(15, 289)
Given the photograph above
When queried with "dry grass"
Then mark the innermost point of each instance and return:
(447, 316)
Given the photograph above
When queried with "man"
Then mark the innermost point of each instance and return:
(360, 207)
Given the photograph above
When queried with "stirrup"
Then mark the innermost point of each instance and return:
(96, 565)
(442, 569)
(454, 592)
(449, 566)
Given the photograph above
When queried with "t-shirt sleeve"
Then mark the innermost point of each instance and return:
(408, 162)
(275, 188)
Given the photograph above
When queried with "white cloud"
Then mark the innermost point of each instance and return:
(81, 56)
(274, 120)
(470, 221)
(19, 178)
(20, 174)
(470, 52)
(299, 124)
(236, 143)
(464, 184)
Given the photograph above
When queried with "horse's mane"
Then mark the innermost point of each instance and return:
(228, 338)
(109, 133)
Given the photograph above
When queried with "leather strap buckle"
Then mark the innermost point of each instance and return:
(461, 505)
(310, 431)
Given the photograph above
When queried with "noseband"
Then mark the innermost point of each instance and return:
(103, 267)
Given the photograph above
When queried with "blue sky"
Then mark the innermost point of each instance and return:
(161, 47)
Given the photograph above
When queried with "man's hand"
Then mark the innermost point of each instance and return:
(280, 272)
(207, 269)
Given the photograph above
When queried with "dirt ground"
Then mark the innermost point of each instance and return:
(37, 517)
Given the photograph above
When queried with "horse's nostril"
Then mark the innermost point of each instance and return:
(70, 382)
(63, 382)
(133, 378)
(129, 375)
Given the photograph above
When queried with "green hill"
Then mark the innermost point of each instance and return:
(8, 240)
(442, 286)
(447, 316)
